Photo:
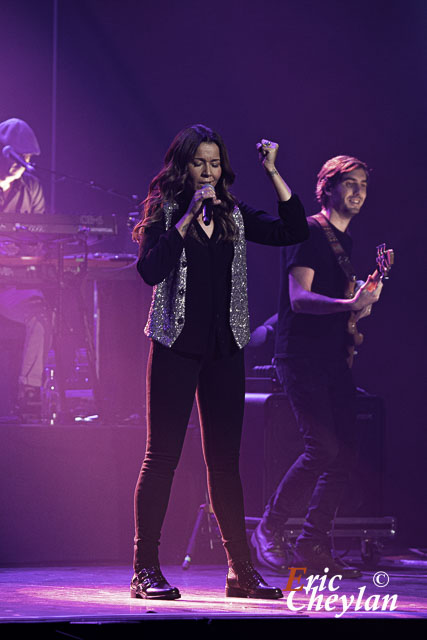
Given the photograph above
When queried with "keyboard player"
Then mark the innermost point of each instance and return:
(22, 193)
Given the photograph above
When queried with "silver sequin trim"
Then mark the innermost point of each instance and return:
(239, 311)
(167, 312)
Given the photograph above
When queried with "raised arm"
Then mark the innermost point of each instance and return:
(291, 225)
(268, 151)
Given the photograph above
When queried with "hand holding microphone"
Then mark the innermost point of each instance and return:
(202, 203)
(204, 200)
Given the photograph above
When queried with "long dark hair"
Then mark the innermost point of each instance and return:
(171, 183)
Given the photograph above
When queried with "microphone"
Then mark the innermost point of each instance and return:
(9, 153)
(207, 211)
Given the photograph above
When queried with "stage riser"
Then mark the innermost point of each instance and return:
(67, 494)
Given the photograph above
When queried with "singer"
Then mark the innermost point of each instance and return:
(199, 325)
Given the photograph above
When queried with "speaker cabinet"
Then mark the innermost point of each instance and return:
(272, 443)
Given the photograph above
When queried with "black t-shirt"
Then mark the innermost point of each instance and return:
(303, 334)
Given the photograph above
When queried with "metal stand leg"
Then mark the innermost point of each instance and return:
(203, 509)
(54, 388)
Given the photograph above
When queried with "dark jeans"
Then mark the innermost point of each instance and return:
(322, 396)
(172, 381)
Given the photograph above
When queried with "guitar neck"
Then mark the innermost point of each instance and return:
(373, 280)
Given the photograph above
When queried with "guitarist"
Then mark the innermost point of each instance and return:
(312, 346)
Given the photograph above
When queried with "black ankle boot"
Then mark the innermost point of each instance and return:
(273, 549)
(316, 556)
(243, 581)
(150, 583)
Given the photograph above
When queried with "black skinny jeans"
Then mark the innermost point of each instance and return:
(322, 395)
(172, 381)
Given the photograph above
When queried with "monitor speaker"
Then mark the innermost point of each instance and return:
(271, 444)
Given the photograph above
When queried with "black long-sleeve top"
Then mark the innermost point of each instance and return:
(209, 260)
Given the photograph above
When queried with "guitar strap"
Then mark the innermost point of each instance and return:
(340, 254)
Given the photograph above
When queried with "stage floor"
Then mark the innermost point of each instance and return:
(89, 594)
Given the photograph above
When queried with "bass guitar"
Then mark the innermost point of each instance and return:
(385, 260)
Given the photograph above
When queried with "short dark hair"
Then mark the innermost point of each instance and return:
(331, 174)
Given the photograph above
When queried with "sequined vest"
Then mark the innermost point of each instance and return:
(167, 312)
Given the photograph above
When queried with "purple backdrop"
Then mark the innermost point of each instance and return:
(321, 78)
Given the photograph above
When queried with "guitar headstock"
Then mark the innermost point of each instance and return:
(385, 260)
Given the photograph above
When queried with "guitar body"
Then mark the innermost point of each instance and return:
(355, 337)
(385, 259)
